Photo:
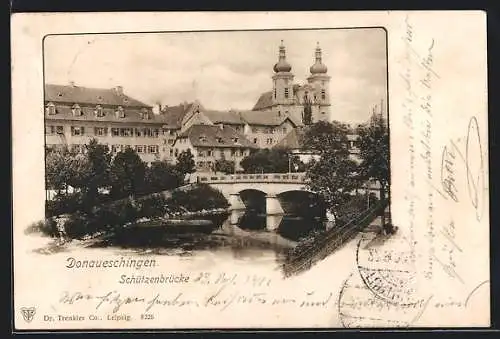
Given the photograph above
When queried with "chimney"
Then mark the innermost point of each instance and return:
(119, 90)
(157, 108)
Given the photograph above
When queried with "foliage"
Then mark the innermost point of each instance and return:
(224, 166)
(161, 176)
(201, 197)
(277, 160)
(154, 205)
(64, 203)
(185, 163)
(47, 227)
(127, 174)
(98, 166)
(326, 137)
(334, 176)
(307, 114)
(57, 169)
(374, 150)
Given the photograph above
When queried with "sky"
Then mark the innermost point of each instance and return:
(223, 70)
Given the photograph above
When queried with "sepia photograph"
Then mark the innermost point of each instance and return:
(238, 171)
(264, 144)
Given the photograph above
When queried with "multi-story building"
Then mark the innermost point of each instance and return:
(75, 114)
(263, 129)
(208, 143)
(289, 98)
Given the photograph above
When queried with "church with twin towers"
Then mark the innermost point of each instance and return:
(307, 103)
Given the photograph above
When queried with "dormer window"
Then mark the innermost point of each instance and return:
(145, 114)
(235, 140)
(203, 138)
(120, 113)
(98, 111)
(220, 140)
(50, 108)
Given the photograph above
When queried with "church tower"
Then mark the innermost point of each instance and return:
(320, 83)
(282, 96)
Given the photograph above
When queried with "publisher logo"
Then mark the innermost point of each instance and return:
(28, 313)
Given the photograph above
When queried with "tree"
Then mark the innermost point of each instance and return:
(224, 166)
(127, 173)
(307, 114)
(161, 176)
(374, 153)
(98, 165)
(334, 175)
(57, 169)
(277, 160)
(326, 137)
(185, 163)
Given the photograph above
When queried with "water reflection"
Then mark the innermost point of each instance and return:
(246, 235)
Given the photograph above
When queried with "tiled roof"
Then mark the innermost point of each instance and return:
(265, 100)
(269, 118)
(293, 140)
(172, 116)
(132, 115)
(85, 95)
(215, 136)
(230, 117)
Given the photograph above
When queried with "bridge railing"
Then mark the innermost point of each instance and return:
(325, 244)
(263, 177)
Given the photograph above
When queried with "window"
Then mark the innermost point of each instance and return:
(126, 132)
(138, 132)
(50, 109)
(145, 114)
(209, 153)
(273, 130)
(201, 154)
(147, 132)
(153, 149)
(171, 152)
(284, 129)
(203, 138)
(115, 132)
(219, 140)
(100, 131)
(59, 129)
(279, 113)
(98, 111)
(75, 131)
(254, 140)
(275, 93)
(171, 141)
(235, 140)
(76, 110)
(176, 152)
(138, 148)
(286, 92)
(120, 113)
(323, 94)
(156, 132)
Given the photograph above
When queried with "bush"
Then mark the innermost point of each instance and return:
(201, 197)
(63, 204)
(77, 225)
(152, 206)
(47, 227)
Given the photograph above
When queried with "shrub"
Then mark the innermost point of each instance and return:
(152, 206)
(201, 197)
(47, 227)
(77, 225)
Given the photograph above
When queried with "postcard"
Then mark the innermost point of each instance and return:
(250, 170)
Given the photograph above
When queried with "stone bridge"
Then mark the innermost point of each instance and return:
(271, 184)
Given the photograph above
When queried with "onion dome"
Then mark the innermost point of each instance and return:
(282, 65)
(318, 67)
